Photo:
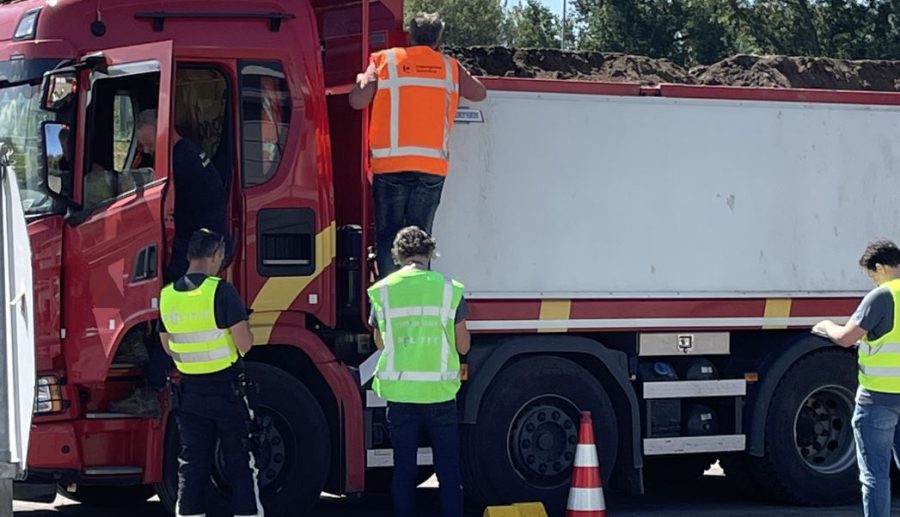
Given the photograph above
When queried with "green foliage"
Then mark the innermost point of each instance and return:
(688, 32)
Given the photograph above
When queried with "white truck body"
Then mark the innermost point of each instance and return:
(592, 196)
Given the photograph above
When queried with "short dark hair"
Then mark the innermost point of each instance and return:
(882, 252)
(204, 244)
(426, 29)
(412, 241)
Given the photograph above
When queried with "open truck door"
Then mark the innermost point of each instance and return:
(17, 362)
(121, 202)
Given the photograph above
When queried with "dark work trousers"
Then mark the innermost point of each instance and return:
(402, 199)
(441, 421)
(209, 407)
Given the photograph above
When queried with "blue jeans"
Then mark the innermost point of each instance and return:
(875, 426)
(441, 421)
(402, 199)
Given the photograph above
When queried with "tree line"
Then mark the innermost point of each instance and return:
(688, 32)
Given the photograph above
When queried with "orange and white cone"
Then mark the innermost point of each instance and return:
(586, 495)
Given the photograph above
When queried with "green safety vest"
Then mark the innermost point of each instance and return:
(198, 345)
(879, 359)
(416, 313)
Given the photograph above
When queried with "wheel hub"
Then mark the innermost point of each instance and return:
(822, 432)
(271, 452)
(542, 441)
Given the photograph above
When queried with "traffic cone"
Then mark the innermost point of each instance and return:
(586, 495)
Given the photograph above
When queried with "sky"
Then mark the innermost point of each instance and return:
(554, 5)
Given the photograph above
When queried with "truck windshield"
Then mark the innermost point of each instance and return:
(20, 125)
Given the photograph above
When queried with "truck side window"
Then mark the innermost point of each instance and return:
(265, 118)
(109, 158)
(202, 113)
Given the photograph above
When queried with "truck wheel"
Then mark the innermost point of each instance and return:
(294, 455)
(523, 445)
(810, 455)
(109, 496)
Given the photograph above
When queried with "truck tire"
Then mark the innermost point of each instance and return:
(522, 446)
(109, 496)
(810, 456)
(294, 455)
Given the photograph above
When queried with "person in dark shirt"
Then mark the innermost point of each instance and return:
(210, 402)
(201, 200)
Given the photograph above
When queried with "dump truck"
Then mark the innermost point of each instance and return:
(653, 254)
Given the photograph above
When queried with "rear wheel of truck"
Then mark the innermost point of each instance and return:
(523, 445)
(810, 455)
(108, 496)
(294, 453)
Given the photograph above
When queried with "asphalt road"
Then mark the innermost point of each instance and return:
(708, 497)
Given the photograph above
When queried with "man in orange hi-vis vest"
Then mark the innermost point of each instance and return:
(414, 92)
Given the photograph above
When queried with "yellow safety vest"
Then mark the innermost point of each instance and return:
(879, 359)
(416, 313)
(198, 345)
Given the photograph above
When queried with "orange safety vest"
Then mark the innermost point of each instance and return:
(413, 110)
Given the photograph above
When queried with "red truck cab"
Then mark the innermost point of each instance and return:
(248, 83)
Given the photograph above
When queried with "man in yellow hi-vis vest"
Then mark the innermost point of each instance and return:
(876, 420)
(419, 316)
(204, 328)
(414, 93)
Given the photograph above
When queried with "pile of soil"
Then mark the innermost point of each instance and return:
(740, 70)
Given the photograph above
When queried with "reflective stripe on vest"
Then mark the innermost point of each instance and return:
(388, 315)
(198, 346)
(879, 359)
(384, 158)
(418, 363)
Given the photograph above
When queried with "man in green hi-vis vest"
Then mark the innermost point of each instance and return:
(876, 420)
(419, 316)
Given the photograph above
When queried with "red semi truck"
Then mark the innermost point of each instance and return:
(654, 255)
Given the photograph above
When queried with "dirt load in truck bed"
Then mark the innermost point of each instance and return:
(740, 70)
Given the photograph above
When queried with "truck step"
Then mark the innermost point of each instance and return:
(125, 370)
(111, 416)
(694, 444)
(688, 389)
(385, 457)
(114, 470)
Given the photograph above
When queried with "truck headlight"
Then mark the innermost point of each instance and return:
(48, 396)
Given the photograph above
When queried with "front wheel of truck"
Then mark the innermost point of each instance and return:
(293, 455)
(522, 447)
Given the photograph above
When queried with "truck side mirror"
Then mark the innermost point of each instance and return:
(58, 89)
(57, 170)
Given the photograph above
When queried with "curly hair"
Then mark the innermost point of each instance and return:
(882, 252)
(412, 241)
